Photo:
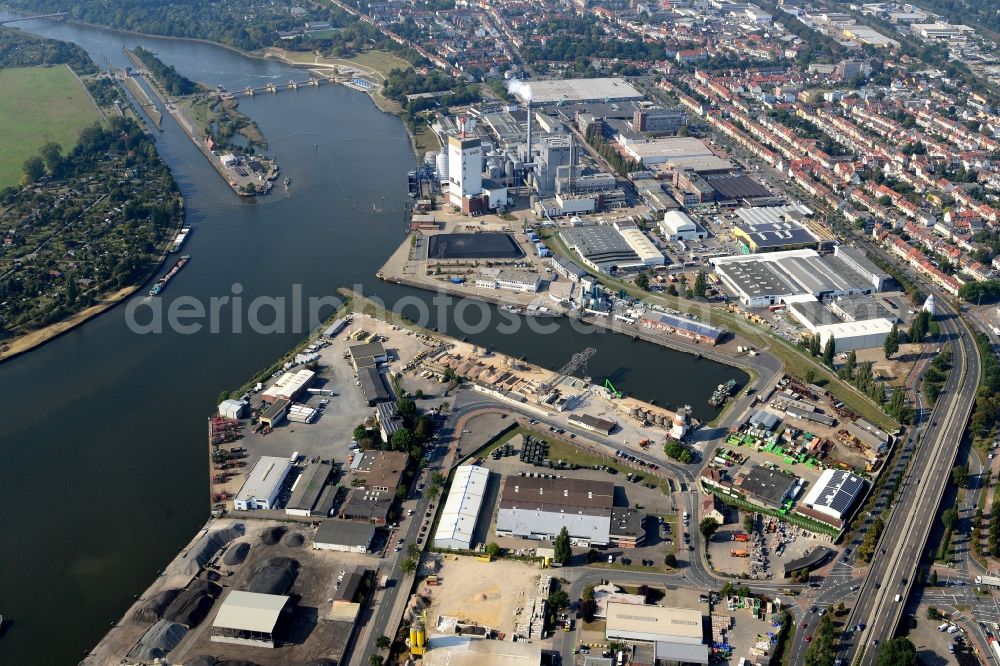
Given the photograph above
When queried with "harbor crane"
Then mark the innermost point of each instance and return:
(578, 362)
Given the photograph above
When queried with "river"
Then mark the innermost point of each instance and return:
(104, 474)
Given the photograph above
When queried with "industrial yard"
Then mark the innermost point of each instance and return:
(487, 594)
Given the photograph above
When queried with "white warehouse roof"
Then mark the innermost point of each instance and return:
(263, 480)
(866, 334)
(250, 611)
(461, 509)
(676, 222)
(654, 623)
(648, 253)
(579, 90)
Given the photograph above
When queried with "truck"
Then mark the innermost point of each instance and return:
(995, 647)
(991, 581)
(741, 536)
(384, 581)
(739, 553)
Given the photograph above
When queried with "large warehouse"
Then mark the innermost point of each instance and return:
(534, 508)
(771, 229)
(771, 278)
(678, 634)
(461, 510)
(561, 91)
(604, 248)
(833, 495)
(260, 489)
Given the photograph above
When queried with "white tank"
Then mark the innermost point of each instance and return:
(930, 306)
(442, 165)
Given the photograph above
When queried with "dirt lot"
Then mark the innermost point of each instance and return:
(487, 593)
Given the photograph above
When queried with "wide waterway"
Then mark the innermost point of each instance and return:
(104, 472)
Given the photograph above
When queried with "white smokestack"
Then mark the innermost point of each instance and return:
(520, 89)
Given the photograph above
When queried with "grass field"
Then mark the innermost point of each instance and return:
(381, 61)
(39, 104)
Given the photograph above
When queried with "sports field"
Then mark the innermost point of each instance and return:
(39, 104)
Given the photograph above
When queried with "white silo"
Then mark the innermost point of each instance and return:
(442, 165)
(929, 306)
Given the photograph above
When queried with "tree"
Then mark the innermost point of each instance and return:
(748, 522)
(933, 581)
(558, 599)
(382, 642)
(897, 652)
(413, 550)
(891, 344)
(851, 364)
(408, 566)
(642, 281)
(449, 375)
(950, 519)
(670, 560)
(810, 376)
(829, 350)
(402, 440)
(822, 649)
(698, 290)
(588, 609)
(563, 551)
(376, 660)
(960, 476)
(34, 168)
(672, 290)
(920, 327)
(814, 345)
(707, 527)
(433, 492)
(407, 410)
(51, 154)
(493, 549)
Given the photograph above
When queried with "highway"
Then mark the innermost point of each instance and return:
(901, 548)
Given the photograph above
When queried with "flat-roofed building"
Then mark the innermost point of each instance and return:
(673, 149)
(771, 229)
(602, 248)
(534, 508)
(862, 265)
(766, 486)
(344, 536)
(262, 484)
(248, 618)
(561, 91)
(371, 506)
(276, 412)
(383, 470)
(677, 226)
(678, 634)
(508, 279)
(457, 525)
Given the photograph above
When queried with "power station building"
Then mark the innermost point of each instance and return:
(465, 170)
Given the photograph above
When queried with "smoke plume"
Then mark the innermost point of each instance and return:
(520, 89)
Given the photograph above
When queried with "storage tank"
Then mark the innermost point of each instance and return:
(634, 412)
